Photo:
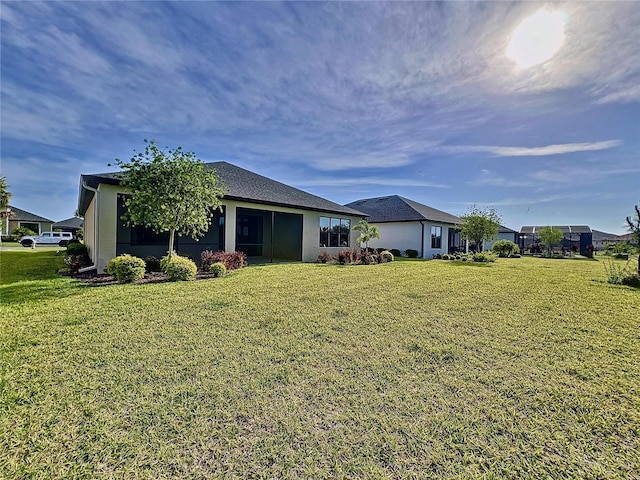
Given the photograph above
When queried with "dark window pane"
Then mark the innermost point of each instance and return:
(335, 232)
(436, 237)
(324, 232)
(345, 228)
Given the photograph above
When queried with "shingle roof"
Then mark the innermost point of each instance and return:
(395, 208)
(73, 222)
(24, 216)
(241, 185)
(504, 229)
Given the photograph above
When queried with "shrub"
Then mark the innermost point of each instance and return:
(23, 232)
(179, 268)
(74, 247)
(411, 253)
(152, 264)
(437, 256)
(387, 256)
(369, 258)
(218, 269)
(514, 255)
(621, 275)
(231, 260)
(126, 268)
(504, 248)
(395, 252)
(484, 257)
(347, 256)
(324, 257)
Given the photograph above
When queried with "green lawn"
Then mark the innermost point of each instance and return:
(526, 368)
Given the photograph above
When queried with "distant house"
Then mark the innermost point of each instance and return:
(72, 225)
(601, 239)
(263, 218)
(504, 233)
(22, 218)
(576, 237)
(406, 224)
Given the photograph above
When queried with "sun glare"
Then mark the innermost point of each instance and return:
(537, 38)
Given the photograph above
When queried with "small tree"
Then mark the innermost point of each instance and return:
(549, 237)
(367, 232)
(479, 225)
(634, 228)
(171, 191)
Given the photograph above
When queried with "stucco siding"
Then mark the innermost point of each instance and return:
(400, 235)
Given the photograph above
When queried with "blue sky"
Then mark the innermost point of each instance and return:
(344, 100)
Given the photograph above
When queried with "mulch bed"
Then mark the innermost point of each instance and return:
(153, 277)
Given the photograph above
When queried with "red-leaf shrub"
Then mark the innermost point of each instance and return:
(231, 260)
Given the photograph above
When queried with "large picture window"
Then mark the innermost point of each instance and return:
(334, 232)
(436, 237)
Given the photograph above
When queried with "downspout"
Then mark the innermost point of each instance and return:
(95, 227)
(422, 241)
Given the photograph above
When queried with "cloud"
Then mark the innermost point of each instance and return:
(560, 149)
(358, 181)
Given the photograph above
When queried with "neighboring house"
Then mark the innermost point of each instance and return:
(72, 225)
(405, 224)
(22, 218)
(576, 237)
(263, 218)
(504, 233)
(601, 239)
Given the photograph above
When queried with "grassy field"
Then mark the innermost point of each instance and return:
(526, 368)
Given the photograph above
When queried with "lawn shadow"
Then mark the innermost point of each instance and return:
(37, 290)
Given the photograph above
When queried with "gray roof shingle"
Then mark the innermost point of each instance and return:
(242, 185)
(395, 208)
(24, 216)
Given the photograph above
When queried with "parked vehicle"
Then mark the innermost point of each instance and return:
(47, 238)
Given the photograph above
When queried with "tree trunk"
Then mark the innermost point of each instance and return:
(172, 234)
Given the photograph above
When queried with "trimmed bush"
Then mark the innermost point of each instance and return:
(369, 258)
(484, 257)
(411, 253)
(179, 268)
(23, 232)
(387, 255)
(152, 264)
(218, 269)
(437, 256)
(74, 247)
(126, 268)
(231, 260)
(395, 252)
(504, 248)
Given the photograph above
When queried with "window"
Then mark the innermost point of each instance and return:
(436, 237)
(334, 232)
(34, 227)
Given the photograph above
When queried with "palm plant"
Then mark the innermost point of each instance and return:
(367, 232)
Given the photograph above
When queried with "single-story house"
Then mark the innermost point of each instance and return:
(21, 218)
(263, 218)
(406, 224)
(504, 233)
(576, 237)
(72, 225)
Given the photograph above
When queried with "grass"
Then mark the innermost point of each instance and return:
(526, 368)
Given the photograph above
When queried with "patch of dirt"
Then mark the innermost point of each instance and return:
(153, 277)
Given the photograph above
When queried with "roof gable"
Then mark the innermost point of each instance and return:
(24, 216)
(243, 185)
(395, 208)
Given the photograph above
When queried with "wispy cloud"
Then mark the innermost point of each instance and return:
(547, 150)
(385, 181)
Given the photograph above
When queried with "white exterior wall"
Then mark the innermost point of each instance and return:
(408, 235)
(400, 235)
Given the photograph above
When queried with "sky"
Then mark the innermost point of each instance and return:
(345, 100)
